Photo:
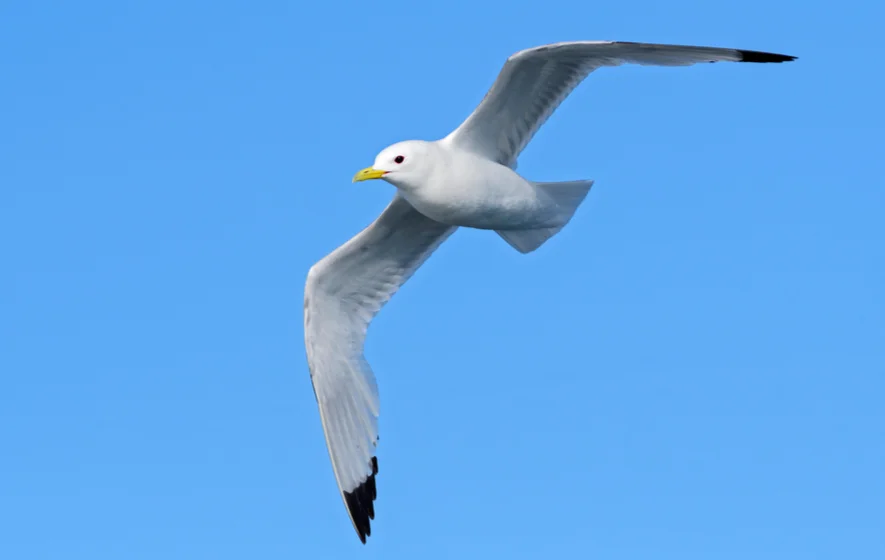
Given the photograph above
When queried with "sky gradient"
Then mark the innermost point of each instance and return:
(693, 368)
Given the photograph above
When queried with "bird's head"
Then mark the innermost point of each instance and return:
(404, 164)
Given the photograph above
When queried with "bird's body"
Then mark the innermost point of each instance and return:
(466, 179)
(468, 190)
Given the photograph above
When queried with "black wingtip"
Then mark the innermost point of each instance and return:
(360, 504)
(758, 56)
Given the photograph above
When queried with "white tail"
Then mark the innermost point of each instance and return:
(568, 195)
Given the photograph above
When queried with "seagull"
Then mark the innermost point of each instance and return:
(466, 179)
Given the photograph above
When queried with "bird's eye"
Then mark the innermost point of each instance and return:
(399, 159)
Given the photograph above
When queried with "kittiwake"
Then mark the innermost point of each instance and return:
(466, 179)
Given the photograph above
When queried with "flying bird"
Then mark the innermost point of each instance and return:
(466, 179)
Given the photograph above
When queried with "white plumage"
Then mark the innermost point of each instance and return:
(466, 179)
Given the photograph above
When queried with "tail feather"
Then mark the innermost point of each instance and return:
(568, 195)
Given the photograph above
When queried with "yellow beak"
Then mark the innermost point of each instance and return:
(368, 173)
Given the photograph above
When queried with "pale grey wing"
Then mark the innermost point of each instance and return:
(343, 293)
(534, 82)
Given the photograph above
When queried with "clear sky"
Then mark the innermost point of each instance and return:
(693, 369)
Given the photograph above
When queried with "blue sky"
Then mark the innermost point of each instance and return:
(692, 369)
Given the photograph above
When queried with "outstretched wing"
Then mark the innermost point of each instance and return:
(534, 82)
(343, 293)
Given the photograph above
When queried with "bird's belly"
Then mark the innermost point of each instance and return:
(488, 204)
